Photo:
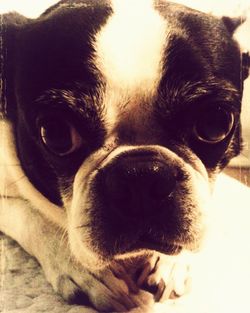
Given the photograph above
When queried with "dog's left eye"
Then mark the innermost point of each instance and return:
(59, 136)
(213, 125)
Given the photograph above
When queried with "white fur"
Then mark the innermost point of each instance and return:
(129, 50)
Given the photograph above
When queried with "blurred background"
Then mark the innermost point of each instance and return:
(239, 167)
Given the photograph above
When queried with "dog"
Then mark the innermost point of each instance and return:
(116, 118)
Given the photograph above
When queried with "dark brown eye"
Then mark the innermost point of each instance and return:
(213, 125)
(59, 136)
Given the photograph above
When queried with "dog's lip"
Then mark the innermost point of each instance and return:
(166, 247)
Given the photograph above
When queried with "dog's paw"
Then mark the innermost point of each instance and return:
(108, 290)
(94, 291)
(164, 278)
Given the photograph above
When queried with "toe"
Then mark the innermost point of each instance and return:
(71, 292)
(149, 268)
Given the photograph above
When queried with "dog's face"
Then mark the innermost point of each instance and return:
(123, 115)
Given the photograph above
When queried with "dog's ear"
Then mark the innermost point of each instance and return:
(9, 25)
(232, 24)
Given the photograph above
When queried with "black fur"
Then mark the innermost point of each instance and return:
(50, 53)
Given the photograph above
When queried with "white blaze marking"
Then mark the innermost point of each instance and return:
(129, 50)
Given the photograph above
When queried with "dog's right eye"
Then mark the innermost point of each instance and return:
(213, 125)
(59, 136)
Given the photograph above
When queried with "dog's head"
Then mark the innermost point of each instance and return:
(123, 114)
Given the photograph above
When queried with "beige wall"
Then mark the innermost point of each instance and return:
(246, 123)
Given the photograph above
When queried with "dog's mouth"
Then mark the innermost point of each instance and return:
(148, 243)
(111, 238)
(139, 242)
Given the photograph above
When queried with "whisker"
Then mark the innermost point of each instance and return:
(14, 182)
(64, 237)
(245, 155)
(83, 225)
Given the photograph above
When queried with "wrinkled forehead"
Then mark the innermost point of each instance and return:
(119, 50)
(110, 48)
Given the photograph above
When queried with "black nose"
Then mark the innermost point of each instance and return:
(139, 189)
